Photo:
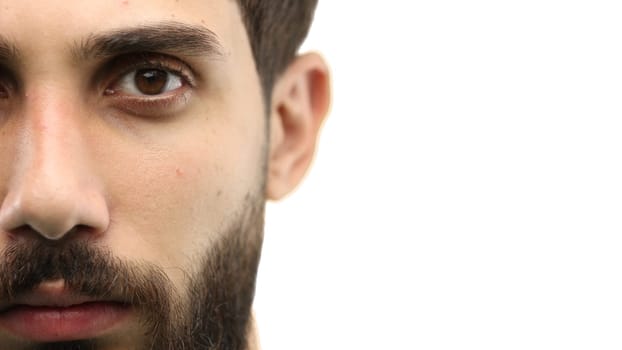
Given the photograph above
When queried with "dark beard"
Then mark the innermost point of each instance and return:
(216, 315)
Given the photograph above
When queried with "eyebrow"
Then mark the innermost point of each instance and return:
(174, 37)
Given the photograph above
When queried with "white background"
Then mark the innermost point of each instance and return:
(467, 192)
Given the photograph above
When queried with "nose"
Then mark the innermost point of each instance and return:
(53, 190)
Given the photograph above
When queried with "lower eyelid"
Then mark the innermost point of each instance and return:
(156, 106)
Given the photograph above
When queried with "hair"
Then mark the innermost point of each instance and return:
(276, 29)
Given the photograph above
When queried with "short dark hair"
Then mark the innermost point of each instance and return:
(276, 29)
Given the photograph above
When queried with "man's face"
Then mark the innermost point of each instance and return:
(132, 169)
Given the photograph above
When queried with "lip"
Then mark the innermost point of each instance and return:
(51, 313)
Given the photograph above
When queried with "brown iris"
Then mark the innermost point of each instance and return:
(151, 81)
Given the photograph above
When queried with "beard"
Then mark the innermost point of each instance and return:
(216, 313)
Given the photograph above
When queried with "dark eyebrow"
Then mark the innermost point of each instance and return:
(166, 37)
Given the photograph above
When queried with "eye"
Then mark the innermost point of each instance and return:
(148, 82)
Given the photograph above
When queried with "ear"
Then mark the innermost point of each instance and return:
(300, 102)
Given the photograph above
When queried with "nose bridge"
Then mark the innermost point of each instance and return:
(51, 139)
(51, 190)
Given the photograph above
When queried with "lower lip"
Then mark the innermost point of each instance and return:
(52, 324)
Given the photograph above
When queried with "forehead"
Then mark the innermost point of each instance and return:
(35, 25)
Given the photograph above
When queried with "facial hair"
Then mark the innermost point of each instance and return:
(217, 311)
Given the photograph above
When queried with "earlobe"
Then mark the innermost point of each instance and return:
(300, 102)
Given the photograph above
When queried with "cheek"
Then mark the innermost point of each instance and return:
(170, 198)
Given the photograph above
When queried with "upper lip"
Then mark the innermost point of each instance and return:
(49, 294)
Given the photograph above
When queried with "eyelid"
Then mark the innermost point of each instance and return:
(125, 64)
(110, 77)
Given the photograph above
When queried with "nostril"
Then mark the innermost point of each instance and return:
(50, 219)
(26, 232)
(23, 233)
(53, 217)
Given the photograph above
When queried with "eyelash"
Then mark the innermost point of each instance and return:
(146, 104)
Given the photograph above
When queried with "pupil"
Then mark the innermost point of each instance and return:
(151, 81)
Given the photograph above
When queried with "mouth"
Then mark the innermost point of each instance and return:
(51, 313)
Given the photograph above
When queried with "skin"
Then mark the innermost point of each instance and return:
(154, 184)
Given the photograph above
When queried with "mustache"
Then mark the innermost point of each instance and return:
(213, 313)
(89, 271)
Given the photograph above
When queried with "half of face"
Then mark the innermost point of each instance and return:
(135, 159)
(132, 175)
